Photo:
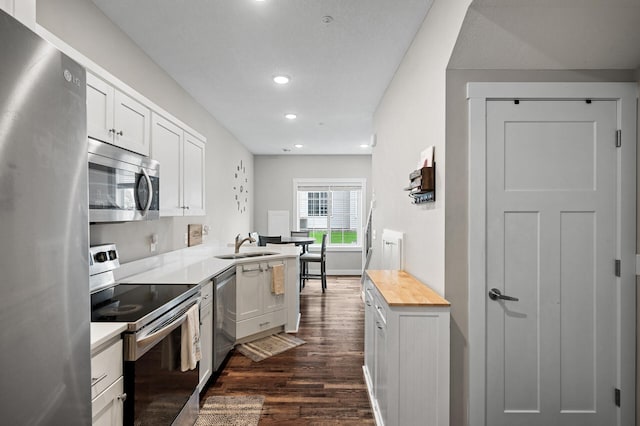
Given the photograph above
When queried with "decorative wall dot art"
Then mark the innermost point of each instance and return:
(241, 187)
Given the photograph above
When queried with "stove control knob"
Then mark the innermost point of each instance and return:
(101, 257)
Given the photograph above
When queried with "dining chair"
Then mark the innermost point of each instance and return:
(263, 240)
(299, 233)
(321, 258)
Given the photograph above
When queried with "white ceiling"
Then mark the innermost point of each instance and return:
(549, 34)
(225, 53)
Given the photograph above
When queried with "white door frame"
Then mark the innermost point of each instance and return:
(625, 94)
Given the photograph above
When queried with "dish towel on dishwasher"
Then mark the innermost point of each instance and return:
(190, 344)
(277, 279)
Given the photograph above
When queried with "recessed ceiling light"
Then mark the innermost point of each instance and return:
(364, 145)
(298, 145)
(290, 116)
(282, 79)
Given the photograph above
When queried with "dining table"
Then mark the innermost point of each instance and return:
(304, 242)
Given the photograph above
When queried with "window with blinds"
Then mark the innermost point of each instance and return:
(331, 207)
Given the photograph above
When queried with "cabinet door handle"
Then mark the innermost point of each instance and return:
(258, 269)
(262, 324)
(271, 266)
(96, 380)
(112, 130)
(122, 397)
(120, 133)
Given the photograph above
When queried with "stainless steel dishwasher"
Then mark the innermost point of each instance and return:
(224, 310)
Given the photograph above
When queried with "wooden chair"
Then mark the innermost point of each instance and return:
(321, 258)
(263, 240)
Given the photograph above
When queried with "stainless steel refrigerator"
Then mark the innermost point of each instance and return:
(44, 290)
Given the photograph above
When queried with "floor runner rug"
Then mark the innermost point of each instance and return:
(231, 411)
(268, 346)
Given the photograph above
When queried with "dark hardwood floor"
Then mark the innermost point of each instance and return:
(320, 382)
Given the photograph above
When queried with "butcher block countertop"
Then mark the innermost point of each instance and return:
(401, 289)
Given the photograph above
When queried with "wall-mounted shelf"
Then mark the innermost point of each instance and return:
(422, 186)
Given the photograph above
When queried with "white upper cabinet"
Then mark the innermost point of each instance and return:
(23, 10)
(116, 118)
(167, 140)
(181, 156)
(194, 175)
(7, 6)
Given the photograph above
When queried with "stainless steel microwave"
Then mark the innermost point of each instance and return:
(123, 186)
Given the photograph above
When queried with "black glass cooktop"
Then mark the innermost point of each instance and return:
(131, 302)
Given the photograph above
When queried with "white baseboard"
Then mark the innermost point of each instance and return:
(338, 271)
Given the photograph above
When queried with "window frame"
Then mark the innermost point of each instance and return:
(333, 182)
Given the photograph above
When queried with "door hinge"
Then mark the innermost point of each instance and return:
(618, 138)
(617, 397)
(617, 267)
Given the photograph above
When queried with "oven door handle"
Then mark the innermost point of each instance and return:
(158, 335)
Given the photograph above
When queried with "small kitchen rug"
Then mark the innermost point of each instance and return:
(231, 411)
(268, 346)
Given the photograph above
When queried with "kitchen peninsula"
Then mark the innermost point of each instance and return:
(196, 265)
(166, 287)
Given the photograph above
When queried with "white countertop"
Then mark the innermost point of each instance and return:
(102, 332)
(193, 265)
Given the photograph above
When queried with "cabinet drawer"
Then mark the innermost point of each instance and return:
(106, 408)
(260, 323)
(106, 368)
(380, 308)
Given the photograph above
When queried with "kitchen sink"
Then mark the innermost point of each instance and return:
(245, 255)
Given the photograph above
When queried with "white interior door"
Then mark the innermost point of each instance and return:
(551, 191)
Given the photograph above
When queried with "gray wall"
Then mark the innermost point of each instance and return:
(456, 217)
(410, 117)
(274, 176)
(82, 25)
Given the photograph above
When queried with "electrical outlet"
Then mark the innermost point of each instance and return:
(153, 243)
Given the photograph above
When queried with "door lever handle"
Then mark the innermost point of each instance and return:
(495, 294)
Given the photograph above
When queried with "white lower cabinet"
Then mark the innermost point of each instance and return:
(257, 308)
(106, 408)
(406, 361)
(206, 335)
(107, 391)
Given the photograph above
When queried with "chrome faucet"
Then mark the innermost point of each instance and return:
(239, 242)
